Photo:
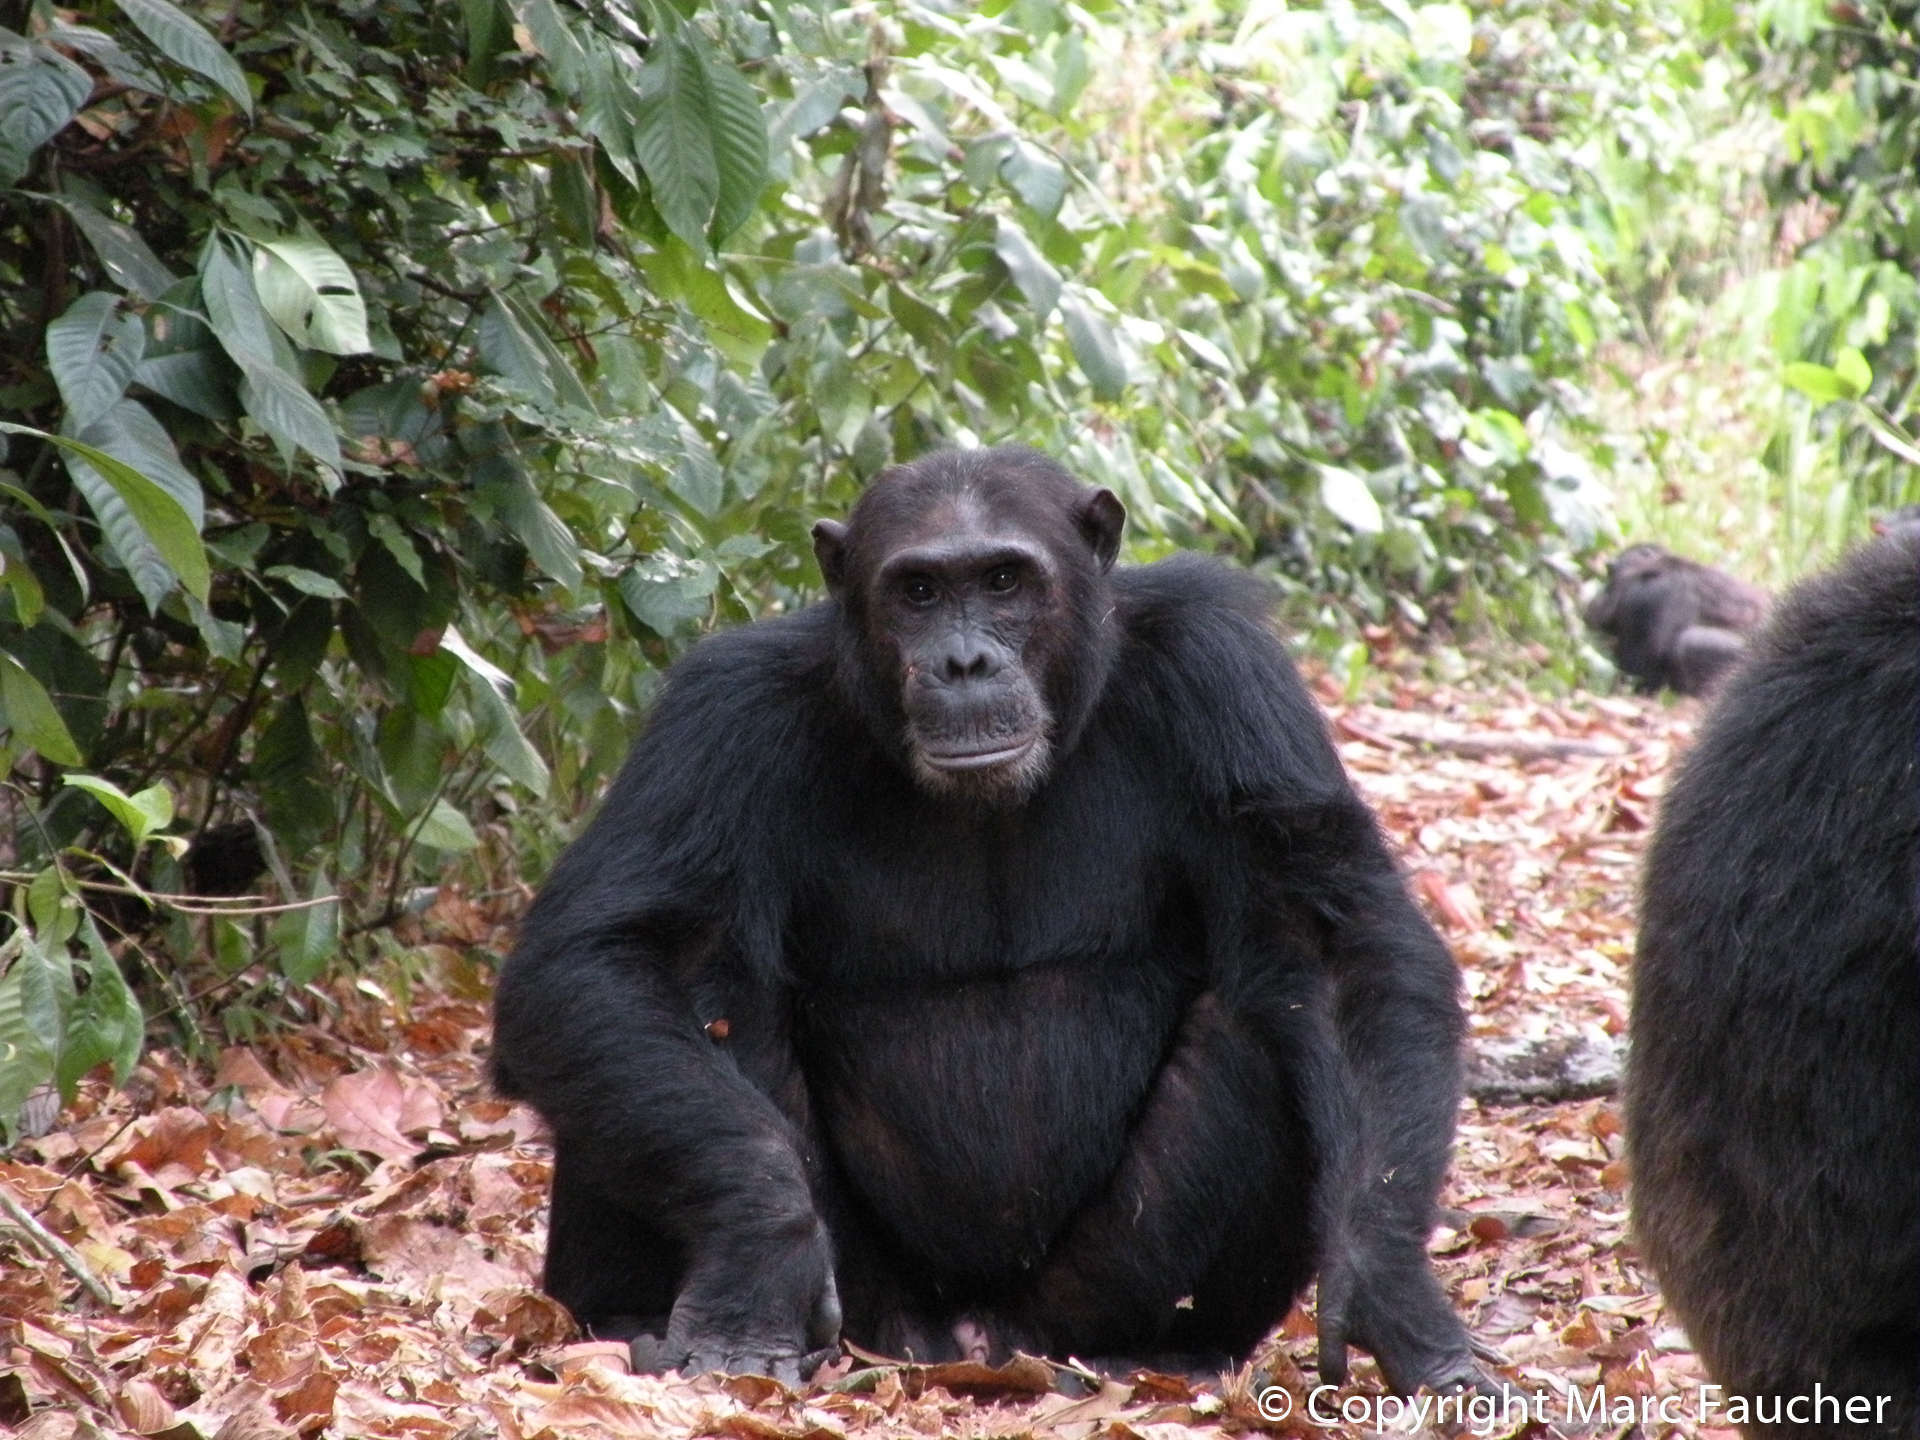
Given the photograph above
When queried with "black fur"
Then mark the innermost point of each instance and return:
(1110, 1066)
(1674, 622)
(1773, 1087)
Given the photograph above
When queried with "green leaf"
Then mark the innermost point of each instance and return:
(181, 39)
(1352, 503)
(40, 91)
(513, 345)
(29, 713)
(1852, 368)
(529, 518)
(307, 582)
(1036, 177)
(554, 40)
(499, 726)
(673, 134)
(739, 137)
(1818, 383)
(1095, 349)
(665, 591)
(445, 828)
(120, 248)
(287, 411)
(399, 544)
(277, 401)
(31, 1023)
(1038, 280)
(311, 294)
(142, 814)
(92, 350)
(104, 1023)
(148, 504)
(309, 937)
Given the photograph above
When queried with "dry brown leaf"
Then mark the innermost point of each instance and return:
(373, 1110)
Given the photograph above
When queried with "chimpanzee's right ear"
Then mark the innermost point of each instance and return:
(830, 549)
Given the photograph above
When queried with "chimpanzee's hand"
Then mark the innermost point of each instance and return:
(1391, 1304)
(761, 1306)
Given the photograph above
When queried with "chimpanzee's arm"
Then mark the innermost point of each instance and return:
(650, 919)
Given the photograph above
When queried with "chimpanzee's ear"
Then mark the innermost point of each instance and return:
(830, 549)
(1101, 519)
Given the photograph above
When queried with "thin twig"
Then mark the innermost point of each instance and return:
(185, 904)
(54, 1248)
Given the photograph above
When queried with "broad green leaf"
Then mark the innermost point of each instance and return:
(399, 544)
(1095, 349)
(92, 350)
(277, 401)
(126, 256)
(1038, 280)
(665, 591)
(28, 711)
(287, 411)
(1036, 177)
(53, 905)
(494, 715)
(548, 30)
(131, 507)
(311, 294)
(308, 938)
(1852, 368)
(1352, 503)
(515, 345)
(143, 813)
(31, 1024)
(529, 518)
(29, 598)
(104, 1023)
(1818, 383)
(233, 305)
(40, 91)
(148, 504)
(673, 134)
(445, 828)
(738, 133)
(180, 37)
(739, 332)
(307, 582)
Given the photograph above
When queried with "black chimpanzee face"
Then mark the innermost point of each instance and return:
(974, 594)
(965, 614)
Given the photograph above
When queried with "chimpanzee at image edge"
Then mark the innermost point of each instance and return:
(1773, 1078)
(992, 956)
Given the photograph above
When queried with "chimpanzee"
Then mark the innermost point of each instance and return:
(994, 955)
(1773, 1084)
(1674, 622)
(1898, 519)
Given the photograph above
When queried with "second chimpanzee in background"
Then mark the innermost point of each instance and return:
(1674, 622)
(1773, 1084)
(994, 956)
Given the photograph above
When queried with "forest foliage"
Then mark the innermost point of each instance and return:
(390, 389)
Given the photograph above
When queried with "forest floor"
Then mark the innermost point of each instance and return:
(335, 1231)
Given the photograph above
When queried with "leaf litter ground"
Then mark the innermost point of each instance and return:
(335, 1231)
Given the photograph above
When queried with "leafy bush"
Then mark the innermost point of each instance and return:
(396, 386)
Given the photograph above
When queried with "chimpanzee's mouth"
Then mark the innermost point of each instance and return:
(961, 760)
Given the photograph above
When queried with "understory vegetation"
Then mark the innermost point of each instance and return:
(390, 390)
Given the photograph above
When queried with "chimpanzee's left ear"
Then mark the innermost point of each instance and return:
(1101, 519)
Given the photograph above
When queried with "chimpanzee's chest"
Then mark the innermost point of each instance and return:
(981, 1006)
